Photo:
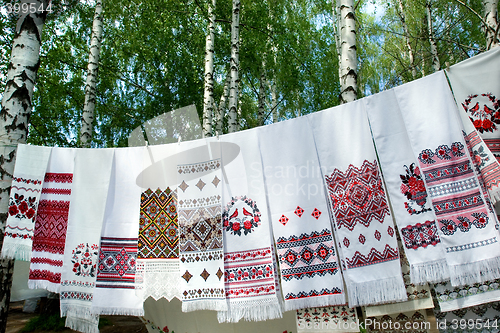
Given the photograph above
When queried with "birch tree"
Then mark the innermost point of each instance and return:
(436, 66)
(14, 118)
(348, 58)
(234, 67)
(208, 96)
(411, 58)
(90, 86)
(490, 9)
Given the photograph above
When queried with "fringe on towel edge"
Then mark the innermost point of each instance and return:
(204, 304)
(252, 311)
(475, 272)
(16, 251)
(311, 302)
(82, 324)
(101, 310)
(429, 272)
(376, 292)
(44, 284)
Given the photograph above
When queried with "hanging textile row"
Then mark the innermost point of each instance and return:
(382, 196)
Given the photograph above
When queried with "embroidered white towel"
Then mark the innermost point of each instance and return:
(476, 89)
(364, 228)
(467, 227)
(27, 181)
(453, 298)
(411, 204)
(201, 242)
(327, 319)
(114, 292)
(88, 201)
(158, 246)
(310, 274)
(52, 221)
(249, 275)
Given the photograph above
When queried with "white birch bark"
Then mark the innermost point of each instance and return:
(262, 99)
(490, 10)
(274, 102)
(348, 59)
(234, 67)
(221, 111)
(90, 85)
(14, 118)
(208, 98)
(411, 57)
(436, 66)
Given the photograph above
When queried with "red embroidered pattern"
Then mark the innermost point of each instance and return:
(420, 235)
(357, 195)
(249, 273)
(45, 275)
(50, 226)
(117, 263)
(313, 293)
(61, 191)
(373, 257)
(47, 261)
(59, 177)
(484, 112)
(494, 146)
(245, 217)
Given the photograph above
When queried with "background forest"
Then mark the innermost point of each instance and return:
(152, 59)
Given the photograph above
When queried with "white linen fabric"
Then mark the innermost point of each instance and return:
(200, 241)
(27, 181)
(466, 226)
(52, 221)
(411, 204)
(249, 266)
(364, 228)
(88, 202)
(310, 274)
(453, 298)
(114, 289)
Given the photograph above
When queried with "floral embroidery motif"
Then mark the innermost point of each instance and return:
(247, 218)
(84, 259)
(464, 224)
(22, 207)
(117, 262)
(413, 188)
(426, 156)
(485, 117)
(443, 152)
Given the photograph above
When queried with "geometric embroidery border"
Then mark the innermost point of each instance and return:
(471, 245)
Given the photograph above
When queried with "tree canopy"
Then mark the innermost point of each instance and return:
(152, 58)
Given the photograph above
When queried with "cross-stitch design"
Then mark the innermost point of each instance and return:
(373, 257)
(241, 214)
(84, 259)
(420, 235)
(22, 207)
(313, 293)
(117, 263)
(413, 188)
(357, 195)
(203, 232)
(484, 111)
(307, 255)
(158, 225)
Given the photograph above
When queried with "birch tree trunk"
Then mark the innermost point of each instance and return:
(208, 99)
(221, 111)
(490, 9)
(262, 99)
(274, 102)
(14, 119)
(402, 18)
(436, 66)
(348, 59)
(234, 67)
(90, 85)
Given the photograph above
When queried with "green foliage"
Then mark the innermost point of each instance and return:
(45, 323)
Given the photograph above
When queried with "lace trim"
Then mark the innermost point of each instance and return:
(158, 278)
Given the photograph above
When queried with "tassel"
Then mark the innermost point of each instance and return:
(376, 292)
(429, 272)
